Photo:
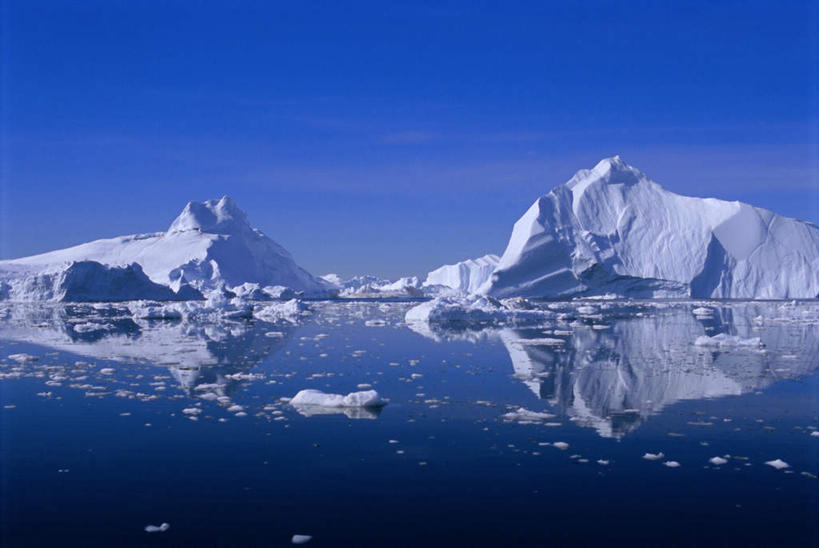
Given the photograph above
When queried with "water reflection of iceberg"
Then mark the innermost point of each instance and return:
(613, 377)
(212, 355)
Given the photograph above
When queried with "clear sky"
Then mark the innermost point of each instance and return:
(391, 137)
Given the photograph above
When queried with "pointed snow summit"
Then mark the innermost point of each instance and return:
(612, 230)
(209, 246)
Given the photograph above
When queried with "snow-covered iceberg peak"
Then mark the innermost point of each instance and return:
(214, 216)
(611, 229)
(210, 246)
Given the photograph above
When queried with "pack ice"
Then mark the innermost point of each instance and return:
(208, 247)
(612, 230)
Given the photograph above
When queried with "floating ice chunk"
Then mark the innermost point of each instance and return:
(815, 433)
(779, 464)
(366, 398)
(725, 340)
(191, 411)
(546, 341)
(107, 370)
(301, 539)
(157, 528)
(671, 464)
(290, 311)
(602, 462)
(562, 445)
(654, 456)
(717, 461)
(23, 358)
(525, 416)
(703, 311)
(235, 408)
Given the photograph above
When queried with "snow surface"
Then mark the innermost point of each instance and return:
(613, 230)
(208, 247)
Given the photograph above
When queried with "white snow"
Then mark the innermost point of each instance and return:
(210, 246)
(465, 276)
(366, 398)
(613, 230)
(779, 464)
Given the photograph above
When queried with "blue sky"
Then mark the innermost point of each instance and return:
(391, 137)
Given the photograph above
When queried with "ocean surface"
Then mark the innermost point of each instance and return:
(613, 423)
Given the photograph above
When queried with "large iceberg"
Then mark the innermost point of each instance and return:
(87, 281)
(612, 230)
(208, 247)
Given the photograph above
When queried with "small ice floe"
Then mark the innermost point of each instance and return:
(107, 370)
(724, 340)
(524, 416)
(23, 358)
(654, 456)
(562, 445)
(301, 539)
(191, 411)
(355, 405)
(779, 464)
(602, 462)
(366, 398)
(235, 408)
(157, 528)
(703, 311)
(375, 323)
(717, 461)
(364, 386)
(815, 434)
(544, 341)
(274, 334)
(671, 464)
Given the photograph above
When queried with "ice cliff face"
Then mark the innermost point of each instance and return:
(613, 230)
(209, 246)
(466, 276)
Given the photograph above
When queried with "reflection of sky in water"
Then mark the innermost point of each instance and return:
(614, 383)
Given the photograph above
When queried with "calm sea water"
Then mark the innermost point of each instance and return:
(109, 424)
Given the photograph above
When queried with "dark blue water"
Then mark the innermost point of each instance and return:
(89, 456)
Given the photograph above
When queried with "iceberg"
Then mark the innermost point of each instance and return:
(366, 398)
(466, 276)
(612, 230)
(210, 246)
(86, 281)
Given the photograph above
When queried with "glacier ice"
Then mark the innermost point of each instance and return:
(612, 230)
